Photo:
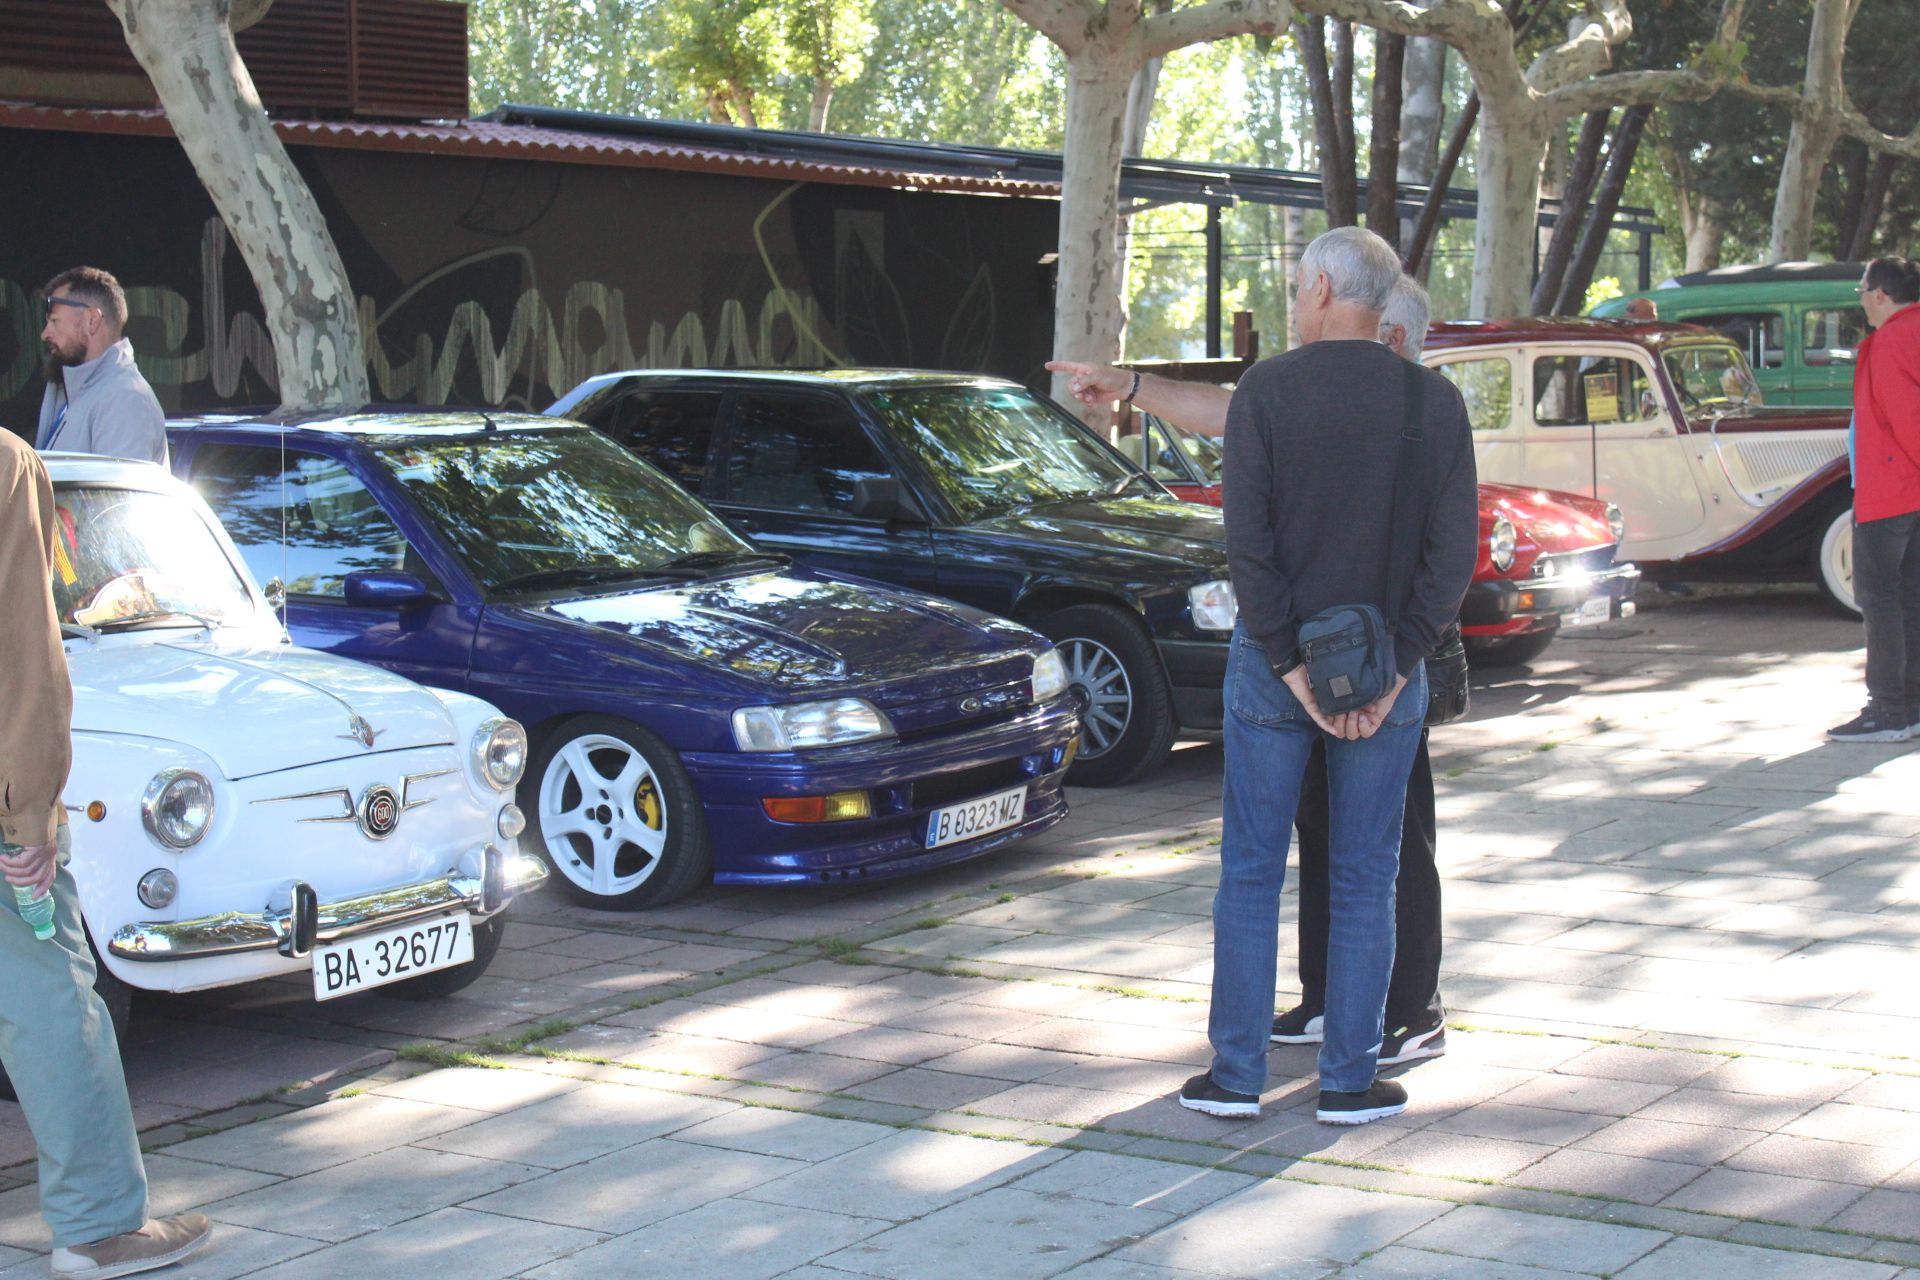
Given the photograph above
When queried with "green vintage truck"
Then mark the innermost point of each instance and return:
(1798, 322)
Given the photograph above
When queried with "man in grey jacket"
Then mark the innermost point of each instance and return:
(96, 401)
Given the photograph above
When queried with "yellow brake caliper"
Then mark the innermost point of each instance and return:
(646, 799)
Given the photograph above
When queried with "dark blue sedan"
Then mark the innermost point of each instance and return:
(697, 708)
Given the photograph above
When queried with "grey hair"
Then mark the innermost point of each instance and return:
(1407, 307)
(1358, 263)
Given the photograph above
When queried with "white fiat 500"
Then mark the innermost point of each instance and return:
(242, 808)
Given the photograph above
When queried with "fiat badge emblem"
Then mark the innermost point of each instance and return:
(379, 811)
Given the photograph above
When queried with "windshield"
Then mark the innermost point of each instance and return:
(988, 449)
(556, 506)
(1203, 451)
(1711, 376)
(128, 557)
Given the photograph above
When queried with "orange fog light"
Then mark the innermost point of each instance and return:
(1526, 599)
(838, 807)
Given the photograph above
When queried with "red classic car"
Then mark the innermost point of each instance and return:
(1665, 421)
(1546, 559)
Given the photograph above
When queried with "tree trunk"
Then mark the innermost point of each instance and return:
(1133, 142)
(1341, 69)
(1573, 209)
(1337, 183)
(1705, 234)
(1513, 146)
(1418, 258)
(1872, 204)
(1383, 153)
(822, 99)
(1816, 127)
(1606, 202)
(1088, 309)
(187, 50)
(742, 98)
(1853, 160)
(1422, 107)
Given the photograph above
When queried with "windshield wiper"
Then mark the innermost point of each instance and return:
(152, 616)
(1120, 486)
(695, 562)
(571, 575)
(80, 629)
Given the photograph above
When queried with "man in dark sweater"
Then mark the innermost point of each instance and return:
(1311, 450)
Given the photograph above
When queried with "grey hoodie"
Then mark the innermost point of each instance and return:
(105, 407)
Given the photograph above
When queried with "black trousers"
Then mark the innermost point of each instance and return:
(1886, 582)
(1413, 993)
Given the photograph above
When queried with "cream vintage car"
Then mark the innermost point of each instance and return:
(244, 809)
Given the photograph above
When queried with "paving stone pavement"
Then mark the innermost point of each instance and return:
(1683, 937)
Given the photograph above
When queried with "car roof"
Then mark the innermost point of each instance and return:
(383, 425)
(1644, 333)
(93, 468)
(852, 377)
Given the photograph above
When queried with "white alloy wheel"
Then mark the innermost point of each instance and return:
(603, 814)
(1834, 561)
(1095, 671)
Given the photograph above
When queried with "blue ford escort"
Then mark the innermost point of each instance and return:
(697, 709)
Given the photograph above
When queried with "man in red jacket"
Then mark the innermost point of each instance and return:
(1886, 502)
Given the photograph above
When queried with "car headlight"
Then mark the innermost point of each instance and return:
(177, 808)
(809, 724)
(500, 752)
(1049, 676)
(1501, 543)
(1616, 522)
(1213, 605)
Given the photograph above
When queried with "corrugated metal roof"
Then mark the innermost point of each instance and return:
(526, 142)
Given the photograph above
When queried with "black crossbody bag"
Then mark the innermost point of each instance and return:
(1348, 649)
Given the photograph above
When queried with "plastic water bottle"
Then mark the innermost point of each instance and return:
(37, 912)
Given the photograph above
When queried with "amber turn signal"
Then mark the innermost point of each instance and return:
(838, 807)
(97, 811)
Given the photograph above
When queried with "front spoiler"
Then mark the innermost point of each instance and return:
(306, 922)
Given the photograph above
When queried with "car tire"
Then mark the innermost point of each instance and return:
(617, 852)
(1509, 651)
(1128, 725)
(444, 982)
(115, 994)
(1833, 560)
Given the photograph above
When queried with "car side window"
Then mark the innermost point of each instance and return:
(1153, 450)
(1829, 335)
(1577, 391)
(1761, 334)
(798, 453)
(333, 526)
(1487, 388)
(670, 427)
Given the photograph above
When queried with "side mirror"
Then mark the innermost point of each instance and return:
(885, 498)
(384, 588)
(276, 594)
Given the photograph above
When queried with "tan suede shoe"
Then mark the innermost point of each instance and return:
(161, 1243)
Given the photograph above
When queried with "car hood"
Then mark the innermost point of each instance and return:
(799, 631)
(1159, 528)
(252, 708)
(1554, 520)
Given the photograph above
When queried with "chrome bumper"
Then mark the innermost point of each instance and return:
(307, 921)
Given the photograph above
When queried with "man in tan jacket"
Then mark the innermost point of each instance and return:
(55, 1036)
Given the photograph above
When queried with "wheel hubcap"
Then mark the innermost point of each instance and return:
(1095, 671)
(601, 816)
(1838, 553)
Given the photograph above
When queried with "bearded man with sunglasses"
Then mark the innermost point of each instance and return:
(96, 401)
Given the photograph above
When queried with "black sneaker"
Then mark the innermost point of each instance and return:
(1299, 1025)
(1202, 1094)
(1385, 1098)
(1409, 1044)
(1875, 724)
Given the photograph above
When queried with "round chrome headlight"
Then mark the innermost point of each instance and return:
(1616, 522)
(1501, 544)
(500, 752)
(177, 808)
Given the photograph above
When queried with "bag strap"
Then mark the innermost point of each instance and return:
(1403, 530)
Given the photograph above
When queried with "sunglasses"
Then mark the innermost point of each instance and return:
(53, 302)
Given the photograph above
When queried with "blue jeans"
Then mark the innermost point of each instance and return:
(1268, 738)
